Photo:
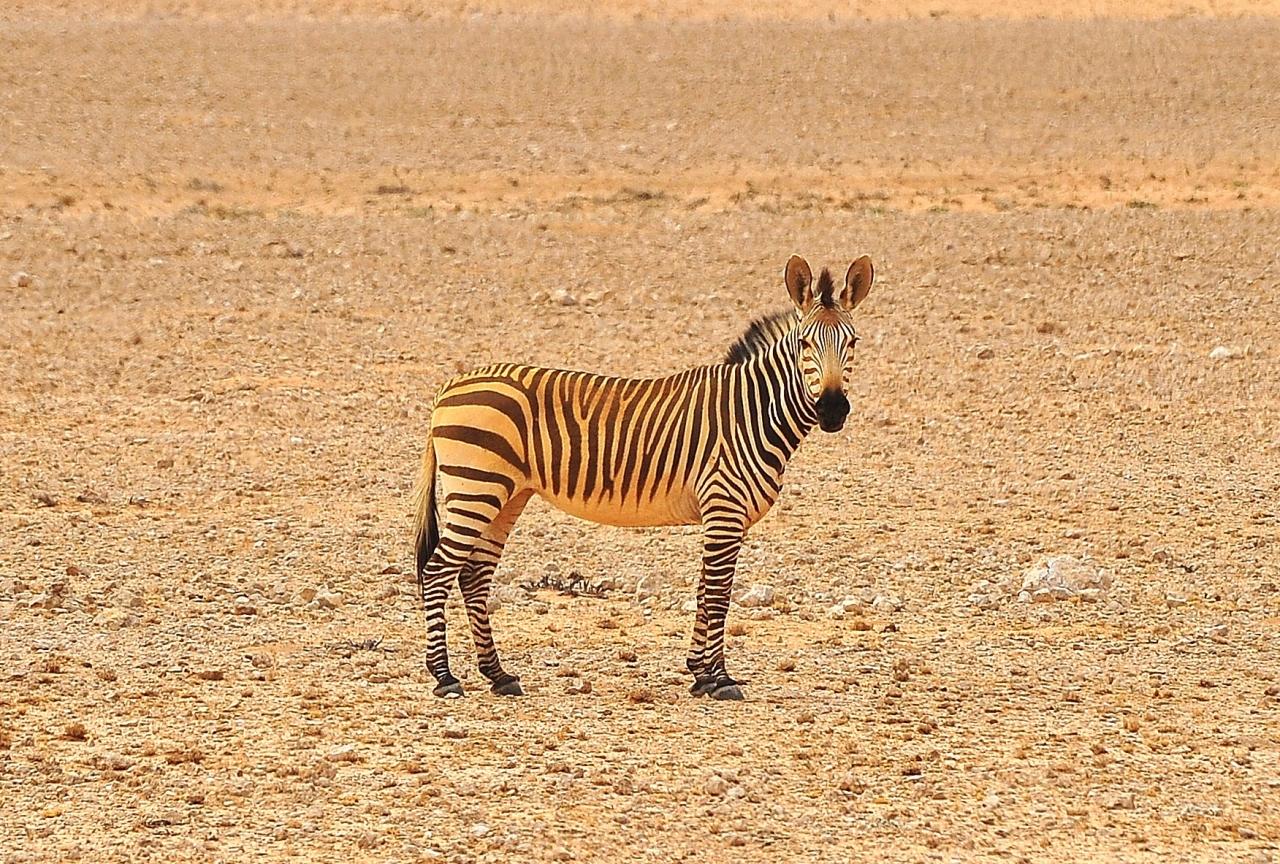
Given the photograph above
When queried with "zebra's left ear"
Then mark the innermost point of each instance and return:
(857, 283)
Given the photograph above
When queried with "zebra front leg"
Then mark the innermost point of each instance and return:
(702, 683)
(721, 543)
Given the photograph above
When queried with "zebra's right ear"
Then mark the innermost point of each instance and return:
(799, 279)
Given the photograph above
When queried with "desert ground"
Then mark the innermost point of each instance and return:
(242, 245)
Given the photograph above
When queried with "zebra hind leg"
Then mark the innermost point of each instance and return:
(466, 519)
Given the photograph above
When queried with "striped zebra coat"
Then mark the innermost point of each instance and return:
(705, 446)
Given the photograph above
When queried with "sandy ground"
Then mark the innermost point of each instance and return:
(236, 260)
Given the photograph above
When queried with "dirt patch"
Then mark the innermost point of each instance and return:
(236, 261)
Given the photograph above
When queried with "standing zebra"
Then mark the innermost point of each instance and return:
(705, 446)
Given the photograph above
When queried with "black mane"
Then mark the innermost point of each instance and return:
(763, 334)
(826, 289)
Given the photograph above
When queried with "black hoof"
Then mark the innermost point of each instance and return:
(448, 690)
(509, 686)
(728, 692)
(703, 686)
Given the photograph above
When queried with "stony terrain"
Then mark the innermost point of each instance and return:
(1024, 607)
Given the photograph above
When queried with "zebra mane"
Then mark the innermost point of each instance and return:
(762, 335)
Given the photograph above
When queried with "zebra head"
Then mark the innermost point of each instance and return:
(825, 336)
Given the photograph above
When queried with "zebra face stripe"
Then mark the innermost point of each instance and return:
(826, 354)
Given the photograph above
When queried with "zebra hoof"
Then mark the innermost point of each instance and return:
(703, 686)
(449, 690)
(727, 693)
(508, 687)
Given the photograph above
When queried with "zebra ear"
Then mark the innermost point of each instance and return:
(799, 279)
(857, 282)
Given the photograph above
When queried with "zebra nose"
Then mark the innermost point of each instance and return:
(833, 408)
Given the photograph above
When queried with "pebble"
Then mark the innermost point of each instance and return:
(342, 753)
(1222, 352)
(480, 829)
(757, 595)
(715, 786)
(1124, 802)
(244, 606)
(114, 619)
(1061, 577)
(564, 298)
(1173, 601)
(647, 587)
(327, 600)
(886, 603)
(21, 280)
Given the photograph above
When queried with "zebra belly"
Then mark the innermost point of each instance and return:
(679, 508)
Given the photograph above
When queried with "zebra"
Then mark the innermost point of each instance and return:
(704, 446)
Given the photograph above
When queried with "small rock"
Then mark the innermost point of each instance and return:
(45, 499)
(1222, 352)
(112, 762)
(343, 753)
(715, 786)
(626, 655)
(564, 298)
(886, 603)
(244, 606)
(578, 686)
(114, 619)
(328, 600)
(21, 280)
(480, 829)
(757, 595)
(984, 352)
(836, 612)
(647, 587)
(641, 696)
(1173, 601)
(1124, 802)
(983, 601)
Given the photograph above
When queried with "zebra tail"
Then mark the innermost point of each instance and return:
(427, 531)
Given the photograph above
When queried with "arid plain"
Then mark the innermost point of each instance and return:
(242, 245)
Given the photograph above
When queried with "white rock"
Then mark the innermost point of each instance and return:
(244, 606)
(983, 601)
(564, 298)
(1222, 352)
(716, 785)
(1173, 601)
(886, 603)
(836, 612)
(647, 587)
(1061, 577)
(690, 605)
(327, 600)
(757, 595)
(21, 280)
(480, 829)
(114, 619)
